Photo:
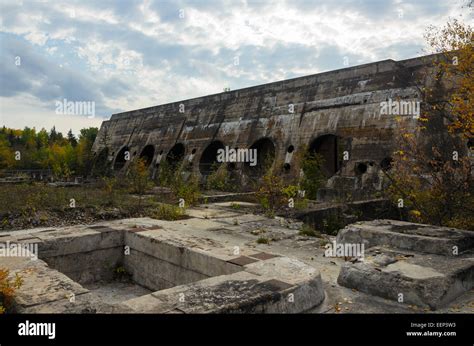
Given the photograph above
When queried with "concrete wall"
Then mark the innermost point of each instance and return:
(344, 103)
(159, 265)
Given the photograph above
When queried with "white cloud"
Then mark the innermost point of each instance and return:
(143, 50)
(24, 110)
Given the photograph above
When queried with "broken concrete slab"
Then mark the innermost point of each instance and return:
(425, 280)
(168, 258)
(41, 285)
(410, 236)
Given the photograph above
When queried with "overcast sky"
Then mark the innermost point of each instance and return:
(124, 55)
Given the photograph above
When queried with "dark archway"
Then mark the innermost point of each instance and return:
(121, 158)
(265, 155)
(175, 155)
(327, 146)
(101, 164)
(147, 154)
(208, 159)
(386, 163)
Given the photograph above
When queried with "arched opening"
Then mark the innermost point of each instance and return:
(327, 146)
(147, 154)
(360, 168)
(386, 163)
(263, 152)
(121, 159)
(208, 161)
(175, 155)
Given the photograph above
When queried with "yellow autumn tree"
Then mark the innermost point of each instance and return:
(431, 175)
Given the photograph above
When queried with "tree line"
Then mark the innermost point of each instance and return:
(30, 149)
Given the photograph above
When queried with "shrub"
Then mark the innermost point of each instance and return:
(187, 189)
(7, 289)
(313, 178)
(270, 193)
(431, 173)
(309, 231)
(138, 176)
(219, 179)
(332, 224)
(168, 212)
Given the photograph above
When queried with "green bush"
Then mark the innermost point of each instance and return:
(7, 289)
(314, 177)
(308, 231)
(168, 212)
(219, 179)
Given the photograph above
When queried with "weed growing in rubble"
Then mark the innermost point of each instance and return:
(183, 184)
(139, 177)
(219, 179)
(8, 288)
(307, 230)
(270, 193)
(168, 212)
(236, 206)
(263, 240)
(332, 224)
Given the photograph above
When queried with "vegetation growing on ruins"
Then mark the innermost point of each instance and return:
(168, 212)
(184, 185)
(270, 193)
(220, 179)
(36, 205)
(8, 287)
(307, 230)
(263, 240)
(313, 178)
(139, 178)
(431, 174)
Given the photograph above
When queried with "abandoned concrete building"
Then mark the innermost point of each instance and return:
(213, 260)
(336, 114)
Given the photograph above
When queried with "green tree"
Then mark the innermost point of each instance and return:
(71, 138)
(432, 168)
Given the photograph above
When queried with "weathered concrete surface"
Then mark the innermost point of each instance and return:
(410, 277)
(339, 108)
(41, 285)
(272, 286)
(425, 265)
(409, 236)
(207, 234)
(164, 257)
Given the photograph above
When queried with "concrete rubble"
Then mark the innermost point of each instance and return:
(212, 262)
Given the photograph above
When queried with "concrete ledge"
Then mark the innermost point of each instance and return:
(41, 285)
(242, 292)
(424, 280)
(189, 273)
(408, 236)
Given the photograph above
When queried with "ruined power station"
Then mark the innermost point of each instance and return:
(344, 115)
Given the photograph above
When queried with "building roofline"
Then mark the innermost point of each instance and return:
(430, 57)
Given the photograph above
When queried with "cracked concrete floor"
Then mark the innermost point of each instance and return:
(239, 224)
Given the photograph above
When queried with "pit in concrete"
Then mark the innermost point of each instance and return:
(149, 269)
